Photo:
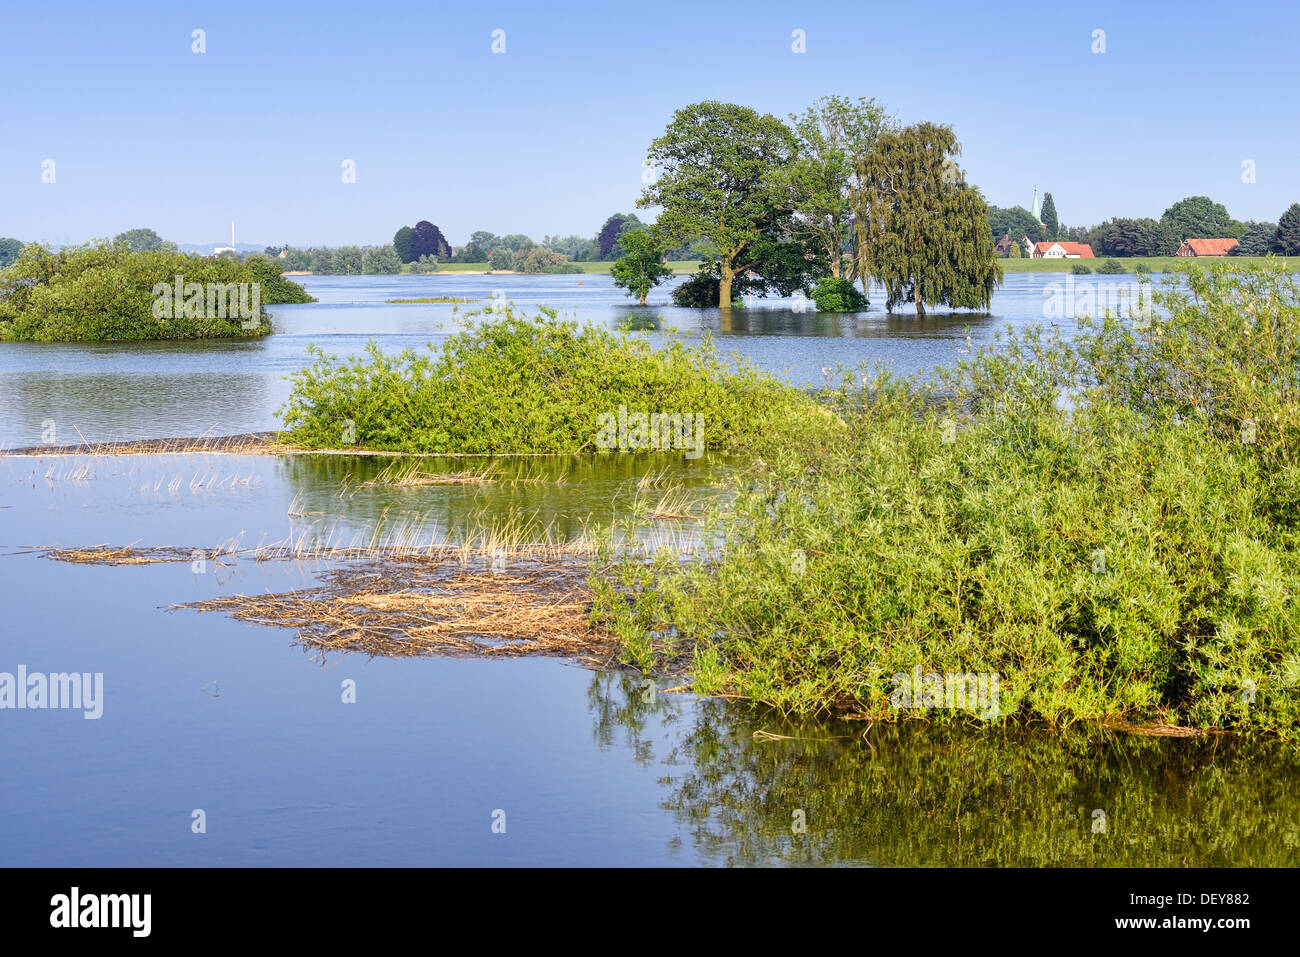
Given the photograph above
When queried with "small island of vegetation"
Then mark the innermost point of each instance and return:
(109, 291)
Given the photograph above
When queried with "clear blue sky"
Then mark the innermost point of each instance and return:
(550, 136)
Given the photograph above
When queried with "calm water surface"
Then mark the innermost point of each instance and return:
(235, 719)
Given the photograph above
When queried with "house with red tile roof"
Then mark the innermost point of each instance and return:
(1206, 247)
(1062, 250)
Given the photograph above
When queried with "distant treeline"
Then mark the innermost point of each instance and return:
(1196, 217)
(420, 248)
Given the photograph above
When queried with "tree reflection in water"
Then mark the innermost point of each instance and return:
(916, 793)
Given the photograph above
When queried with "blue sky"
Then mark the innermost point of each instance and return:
(549, 137)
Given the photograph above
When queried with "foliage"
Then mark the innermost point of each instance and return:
(9, 250)
(1287, 239)
(425, 264)
(838, 295)
(1256, 240)
(139, 240)
(1201, 217)
(539, 259)
(1127, 553)
(427, 240)
(641, 267)
(1047, 215)
(719, 177)
(606, 246)
(380, 260)
(922, 230)
(575, 248)
(830, 134)
(276, 290)
(404, 245)
(1110, 267)
(103, 291)
(1133, 237)
(501, 260)
(1017, 221)
(510, 384)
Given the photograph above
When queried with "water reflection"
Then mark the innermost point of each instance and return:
(917, 794)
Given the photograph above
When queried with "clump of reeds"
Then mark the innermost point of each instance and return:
(107, 555)
(411, 474)
(404, 609)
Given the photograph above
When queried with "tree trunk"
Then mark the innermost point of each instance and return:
(920, 303)
(724, 285)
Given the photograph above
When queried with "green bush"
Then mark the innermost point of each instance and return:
(106, 292)
(838, 295)
(1110, 267)
(1132, 552)
(508, 384)
(1079, 269)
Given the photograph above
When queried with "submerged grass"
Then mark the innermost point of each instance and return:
(404, 609)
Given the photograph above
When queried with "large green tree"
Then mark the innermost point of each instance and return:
(830, 135)
(1199, 217)
(922, 229)
(720, 169)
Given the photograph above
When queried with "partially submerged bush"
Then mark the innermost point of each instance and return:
(1110, 267)
(509, 384)
(1079, 269)
(1085, 520)
(106, 292)
(838, 295)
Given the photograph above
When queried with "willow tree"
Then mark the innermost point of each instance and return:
(922, 230)
(719, 176)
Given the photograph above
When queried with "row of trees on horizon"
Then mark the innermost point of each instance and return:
(1195, 217)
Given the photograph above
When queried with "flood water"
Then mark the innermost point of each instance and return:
(203, 713)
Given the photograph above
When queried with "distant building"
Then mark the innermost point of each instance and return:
(1206, 247)
(1062, 250)
(218, 250)
(1004, 245)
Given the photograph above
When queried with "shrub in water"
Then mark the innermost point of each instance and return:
(510, 384)
(1110, 525)
(838, 295)
(106, 292)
